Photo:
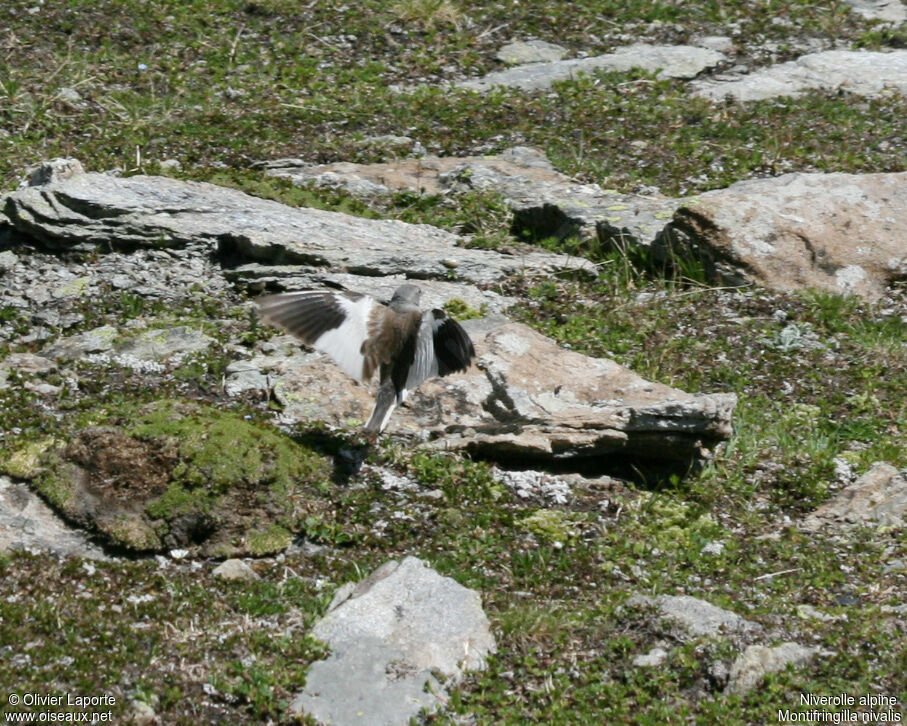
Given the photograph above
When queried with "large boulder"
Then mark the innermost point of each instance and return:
(845, 233)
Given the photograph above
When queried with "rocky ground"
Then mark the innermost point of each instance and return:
(674, 486)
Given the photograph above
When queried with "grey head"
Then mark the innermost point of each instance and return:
(406, 299)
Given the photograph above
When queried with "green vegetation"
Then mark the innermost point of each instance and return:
(244, 81)
(190, 476)
(820, 378)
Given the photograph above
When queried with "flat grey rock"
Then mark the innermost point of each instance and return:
(435, 293)
(154, 344)
(876, 499)
(863, 72)
(235, 569)
(530, 51)
(669, 61)
(389, 634)
(246, 375)
(545, 203)
(165, 343)
(146, 211)
(26, 522)
(893, 12)
(757, 661)
(73, 347)
(697, 617)
(839, 232)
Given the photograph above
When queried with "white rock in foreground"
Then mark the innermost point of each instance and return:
(387, 635)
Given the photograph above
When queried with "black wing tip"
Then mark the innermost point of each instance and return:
(453, 347)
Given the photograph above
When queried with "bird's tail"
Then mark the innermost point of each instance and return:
(385, 403)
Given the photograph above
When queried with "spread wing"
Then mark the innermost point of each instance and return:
(441, 347)
(340, 324)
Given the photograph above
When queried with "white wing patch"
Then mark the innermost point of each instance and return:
(330, 322)
(344, 343)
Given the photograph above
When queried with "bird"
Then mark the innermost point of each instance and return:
(404, 344)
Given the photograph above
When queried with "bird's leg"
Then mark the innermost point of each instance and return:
(385, 403)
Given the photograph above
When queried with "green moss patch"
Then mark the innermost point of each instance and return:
(175, 475)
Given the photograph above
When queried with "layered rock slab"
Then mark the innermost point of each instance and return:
(545, 202)
(389, 636)
(845, 233)
(668, 61)
(94, 210)
(863, 72)
(526, 399)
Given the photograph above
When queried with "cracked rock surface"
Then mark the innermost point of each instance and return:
(159, 212)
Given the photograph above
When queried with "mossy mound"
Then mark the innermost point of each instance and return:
(185, 475)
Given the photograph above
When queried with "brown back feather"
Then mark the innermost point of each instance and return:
(388, 332)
